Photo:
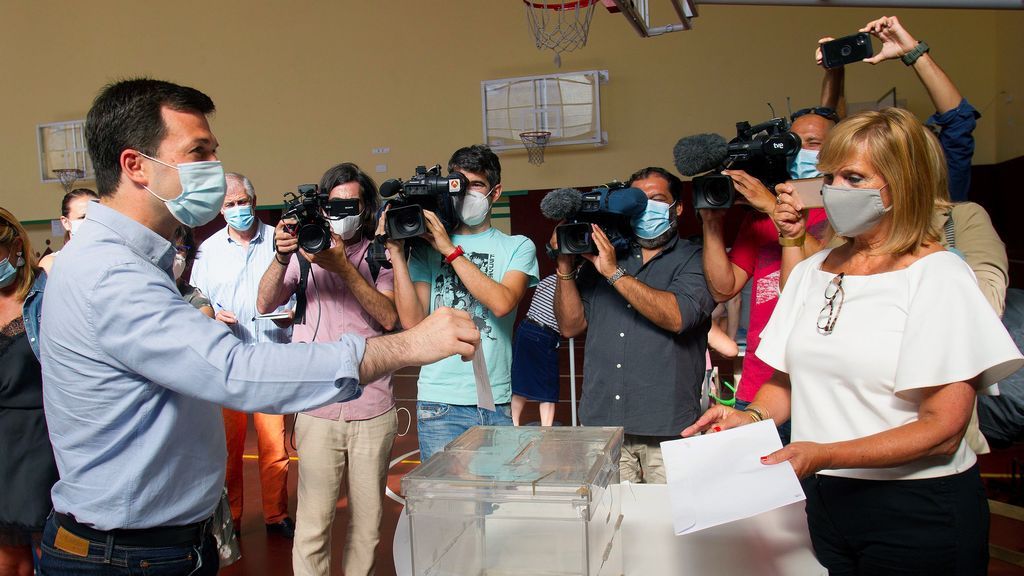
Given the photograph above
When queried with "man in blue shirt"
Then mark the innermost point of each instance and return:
(133, 375)
(228, 270)
(481, 270)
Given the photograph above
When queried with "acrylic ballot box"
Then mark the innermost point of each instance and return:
(504, 500)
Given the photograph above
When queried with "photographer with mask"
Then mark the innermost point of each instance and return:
(342, 296)
(647, 312)
(478, 269)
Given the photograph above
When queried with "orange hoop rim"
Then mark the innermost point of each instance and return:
(570, 5)
(535, 134)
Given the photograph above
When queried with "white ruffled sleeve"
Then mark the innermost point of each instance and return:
(952, 334)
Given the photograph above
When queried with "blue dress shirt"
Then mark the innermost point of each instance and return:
(133, 377)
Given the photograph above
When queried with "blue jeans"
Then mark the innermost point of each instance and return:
(784, 428)
(103, 560)
(438, 423)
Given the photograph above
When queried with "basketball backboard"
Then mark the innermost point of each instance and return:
(638, 14)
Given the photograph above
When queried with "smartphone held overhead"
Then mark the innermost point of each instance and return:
(846, 50)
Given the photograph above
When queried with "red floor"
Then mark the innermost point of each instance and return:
(271, 555)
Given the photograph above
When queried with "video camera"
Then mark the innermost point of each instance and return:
(763, 151)
(311, 207)
(611, 207)
(427, 190)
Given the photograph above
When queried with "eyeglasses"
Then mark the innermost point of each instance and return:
(834, 296)
(823, 111)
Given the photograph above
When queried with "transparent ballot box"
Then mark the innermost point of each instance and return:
(504, 500)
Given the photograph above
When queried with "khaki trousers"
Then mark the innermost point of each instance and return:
(326, 448)
(640, 460)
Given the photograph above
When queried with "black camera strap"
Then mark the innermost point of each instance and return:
(300, 291)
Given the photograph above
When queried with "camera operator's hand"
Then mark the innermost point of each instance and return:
(818, 58)
(334, 259)
(716, 419)
(436, 234)
(604, 261)
(896, 41)
(396, 248)
(789, 212)
(285, 242)
(752, 189)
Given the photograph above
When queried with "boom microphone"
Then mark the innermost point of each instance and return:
(699, 153)
(561, 203)
(390, 187)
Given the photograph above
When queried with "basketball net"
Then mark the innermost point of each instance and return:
(535, 142)
(560, 26)
(68, 177)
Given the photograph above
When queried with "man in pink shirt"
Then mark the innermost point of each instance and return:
(757, 250)
(343, 297)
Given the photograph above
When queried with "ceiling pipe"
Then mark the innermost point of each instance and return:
(976, 4)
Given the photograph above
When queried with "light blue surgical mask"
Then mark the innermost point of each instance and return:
(653, 221)
(239, 217)
(202, 191)
(7, 273)
(804, 164)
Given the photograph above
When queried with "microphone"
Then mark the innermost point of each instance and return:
(699, 153)
(561, 203)
(390, 187)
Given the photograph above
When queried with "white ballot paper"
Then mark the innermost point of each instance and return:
(718, 478)
(484, 396)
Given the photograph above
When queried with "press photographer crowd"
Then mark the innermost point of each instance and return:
(132, 358)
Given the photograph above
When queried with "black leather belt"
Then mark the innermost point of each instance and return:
(529, 320)
(163, 536)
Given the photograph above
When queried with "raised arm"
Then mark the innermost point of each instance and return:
(896, 42)
(724, 278)
(272, 291)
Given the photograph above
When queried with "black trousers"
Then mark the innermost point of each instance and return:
(930, 527)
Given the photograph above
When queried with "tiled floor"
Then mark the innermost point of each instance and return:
(271, 555)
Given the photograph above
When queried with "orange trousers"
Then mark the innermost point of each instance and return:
(273, 460)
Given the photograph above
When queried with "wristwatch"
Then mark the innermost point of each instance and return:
(619, 273)
(910, 57)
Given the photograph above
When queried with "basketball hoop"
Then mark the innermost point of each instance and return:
(535, 142)
(560, 26)
(68, 176)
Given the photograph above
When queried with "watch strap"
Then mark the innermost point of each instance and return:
(916, 52)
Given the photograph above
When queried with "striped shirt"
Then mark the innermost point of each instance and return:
(542, 307)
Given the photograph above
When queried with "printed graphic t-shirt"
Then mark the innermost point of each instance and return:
(495, 253)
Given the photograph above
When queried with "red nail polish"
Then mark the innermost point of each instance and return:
(717, 428)
(764, 459)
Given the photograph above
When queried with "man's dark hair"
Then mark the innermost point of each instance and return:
(65, 204)
(675, 185)
(348, 172)
(477, 158)
(127, 115)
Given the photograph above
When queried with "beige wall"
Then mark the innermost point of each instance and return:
(302, 85)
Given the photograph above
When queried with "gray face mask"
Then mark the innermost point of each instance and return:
(853, 211)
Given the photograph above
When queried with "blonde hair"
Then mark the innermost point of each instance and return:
(11, 230)
(910, 160)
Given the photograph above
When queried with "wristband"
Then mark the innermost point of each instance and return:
(798, 241)
(455, 254)
(569, 276)
(916, 52)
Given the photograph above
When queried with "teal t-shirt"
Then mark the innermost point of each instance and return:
(495, 253)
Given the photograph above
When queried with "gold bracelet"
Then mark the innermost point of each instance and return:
(569, 276)
(787, 242)
(758, 414)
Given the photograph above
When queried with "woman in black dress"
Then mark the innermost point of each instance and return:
(26, 457)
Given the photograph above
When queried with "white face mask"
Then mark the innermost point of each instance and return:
(346, 227)
(475, 207)
(75, 225)
(178, 268)
(853, 211)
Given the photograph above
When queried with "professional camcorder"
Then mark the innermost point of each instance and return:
(611, 207)
(763, 151)
(427, 190)
(311, 208)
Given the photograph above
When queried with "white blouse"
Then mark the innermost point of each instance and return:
(896, 332)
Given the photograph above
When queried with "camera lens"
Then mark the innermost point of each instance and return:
(313, 238)
(576, 239)
(846, 50)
